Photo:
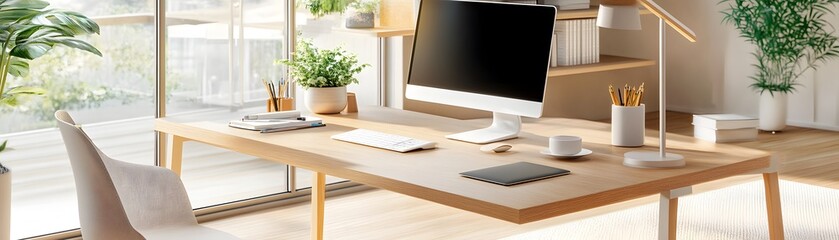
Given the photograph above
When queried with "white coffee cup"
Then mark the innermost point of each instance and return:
(565, 145)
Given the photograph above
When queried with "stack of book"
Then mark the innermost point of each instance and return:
(569, 4)
(276, 121)
(575, 42)
(725, 127)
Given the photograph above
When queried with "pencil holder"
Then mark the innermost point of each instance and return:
(628, 126)
(282, 104)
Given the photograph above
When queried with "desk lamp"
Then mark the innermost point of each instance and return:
(624, 14)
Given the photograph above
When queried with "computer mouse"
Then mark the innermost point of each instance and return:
(496, 147)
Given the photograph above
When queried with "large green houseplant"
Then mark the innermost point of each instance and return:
(324, 74)
(28, 30)
(792, 37)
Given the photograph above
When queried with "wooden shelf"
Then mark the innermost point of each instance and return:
(384, 32)
(584, 13)
(607, 63)
(381, 32)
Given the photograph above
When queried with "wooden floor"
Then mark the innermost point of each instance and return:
(809, 156)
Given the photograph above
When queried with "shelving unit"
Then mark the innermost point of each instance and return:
(607, 63)
(584, 13)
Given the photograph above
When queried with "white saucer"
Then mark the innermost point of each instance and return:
(579, 154)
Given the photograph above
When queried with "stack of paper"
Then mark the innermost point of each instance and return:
(569, 4)
(276, 121)
(577, 41)
(725, 127)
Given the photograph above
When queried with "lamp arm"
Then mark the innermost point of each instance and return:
(669, 19)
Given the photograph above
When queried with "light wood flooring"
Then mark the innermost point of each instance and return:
(809, 156)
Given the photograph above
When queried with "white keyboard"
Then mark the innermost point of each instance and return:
(387, 141)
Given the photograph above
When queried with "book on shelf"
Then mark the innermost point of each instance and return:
(577, 42)
(725, 135)
(270, 125)
(567, 4)
(724, 121)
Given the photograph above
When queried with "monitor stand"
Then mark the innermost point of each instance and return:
(504, 126)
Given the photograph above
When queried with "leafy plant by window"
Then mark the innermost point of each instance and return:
(365, 6)
(28, 31)
(320, 8)
(313, 67)
(792, 37)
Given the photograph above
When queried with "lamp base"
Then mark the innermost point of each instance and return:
(648, 159)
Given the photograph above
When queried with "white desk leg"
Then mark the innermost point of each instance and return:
(773, 206)
(668, 208)
(177, 155)
(318, 197)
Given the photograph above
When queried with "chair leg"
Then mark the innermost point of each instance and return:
(773, 206)
(318, 197)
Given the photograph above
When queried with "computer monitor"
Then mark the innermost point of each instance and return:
(491, 56)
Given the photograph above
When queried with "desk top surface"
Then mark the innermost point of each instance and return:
(596, 180)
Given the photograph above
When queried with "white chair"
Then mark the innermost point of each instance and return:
(120, 200)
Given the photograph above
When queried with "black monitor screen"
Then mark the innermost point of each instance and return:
(487, 48)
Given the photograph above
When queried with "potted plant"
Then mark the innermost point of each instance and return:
(324, 74)
(792, 37)
(320, 8)
(28, 31)
(362, 14)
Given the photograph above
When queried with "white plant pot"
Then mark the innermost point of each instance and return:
(326, 100)
(5, 205)
(773, 111)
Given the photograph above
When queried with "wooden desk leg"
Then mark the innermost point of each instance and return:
(668, 209)
(176, 158)
(318, 197)
(667, 214)
(773, 206)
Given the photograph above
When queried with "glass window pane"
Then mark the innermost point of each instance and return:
(111, 96)
(218, 53)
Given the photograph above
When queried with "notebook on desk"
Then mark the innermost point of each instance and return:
(515, 173)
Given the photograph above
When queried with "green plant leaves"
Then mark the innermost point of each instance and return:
(313, 67)
(792, 37)
(18, 67)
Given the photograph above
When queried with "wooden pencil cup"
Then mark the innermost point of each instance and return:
(282, 104)
(352, 105)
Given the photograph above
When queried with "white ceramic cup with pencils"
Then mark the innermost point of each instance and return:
(627, 116)
(628, 126)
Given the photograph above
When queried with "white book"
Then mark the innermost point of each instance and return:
(263, 125)
(725, 135)
(596, 42)
(563, 42)
(583, 40)
(724, 121)
(554, 53)
(575, 48)
(588, 41)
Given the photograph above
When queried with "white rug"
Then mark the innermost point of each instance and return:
(737, 212)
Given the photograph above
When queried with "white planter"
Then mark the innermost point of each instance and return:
(326, 100)
(773, 111)
(5, 205)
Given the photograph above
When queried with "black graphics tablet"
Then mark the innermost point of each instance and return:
(515, 173)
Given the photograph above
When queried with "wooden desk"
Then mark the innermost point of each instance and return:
(595, 180)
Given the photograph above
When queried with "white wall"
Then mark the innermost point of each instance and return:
(712, 75)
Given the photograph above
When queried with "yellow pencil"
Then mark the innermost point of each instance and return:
(612, 95)
(626, 94)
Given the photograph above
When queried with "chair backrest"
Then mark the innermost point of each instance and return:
(101, 212)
